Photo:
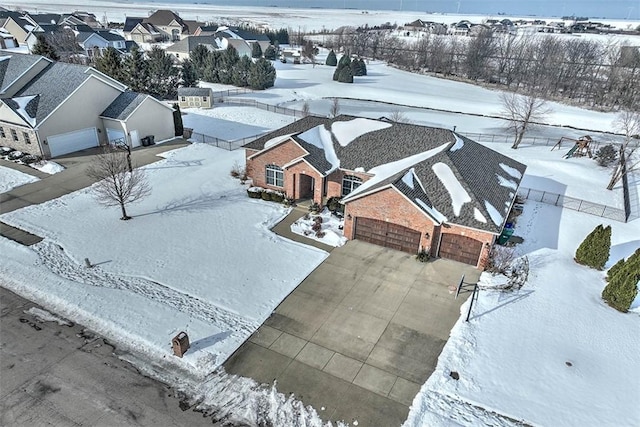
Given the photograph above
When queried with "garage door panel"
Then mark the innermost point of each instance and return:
(386, 234)
(72, 141)
(460, 248)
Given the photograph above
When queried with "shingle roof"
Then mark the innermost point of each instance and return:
(164, 17)
(45, 18)
(109, 36)
(13, 67)
(130, 23)
(123, 105)
(194, 91)
(485, 175)
(248, 35)
(189, 43)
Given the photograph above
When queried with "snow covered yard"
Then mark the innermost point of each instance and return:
(10, 179)
(550, 354)
(198, 256)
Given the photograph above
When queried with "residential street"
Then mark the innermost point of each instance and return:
(62, 375)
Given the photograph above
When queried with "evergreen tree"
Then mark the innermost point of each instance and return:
(270, 53)
(345, 75)
(594, 250)
(163, 75)
(358, 68)
(228, 60)
(135, 71)
(210, 67)
(109, 63)
(188, 74)
(331, 59)
(622, 288)
(42, 47)
(256, 50)
(199, 56)
(241, 72)
(363, 68)
(177, 120)
(262, 75)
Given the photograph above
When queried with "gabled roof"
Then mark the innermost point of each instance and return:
(164, 17)
(450, 177)
(109, 36)
(13, 66)
(82, 37)
(194, 91)
(45, 18)
(122, 107)
(192, 26)
(130, 23)
(235, 32)
(189, 43)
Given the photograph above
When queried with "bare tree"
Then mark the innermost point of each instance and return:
(335, 107)
(116, 186)
(306, 109)
(628, 122)
(398, 116)
(522, 112)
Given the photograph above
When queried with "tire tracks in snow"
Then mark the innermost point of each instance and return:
(56, 260)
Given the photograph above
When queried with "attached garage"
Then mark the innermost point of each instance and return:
(116, 135)
(387, 234)
(73, 141)
(460, 248)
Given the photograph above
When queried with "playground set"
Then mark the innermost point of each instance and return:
(581, 146)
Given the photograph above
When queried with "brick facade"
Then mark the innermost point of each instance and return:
(485, 237)
(25, 139)
(279, 155)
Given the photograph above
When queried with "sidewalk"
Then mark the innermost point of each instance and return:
(283, 228)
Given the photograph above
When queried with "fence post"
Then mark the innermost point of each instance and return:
(557, 200)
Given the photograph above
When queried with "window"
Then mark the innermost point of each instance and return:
(275, 176)
(184, 99)
(2, 134)
(204, 99)
(350, 183)
(14, 134)
(26, 138)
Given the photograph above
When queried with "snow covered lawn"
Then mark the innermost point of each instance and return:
(11, 178)
(550, 354)
(197, 256)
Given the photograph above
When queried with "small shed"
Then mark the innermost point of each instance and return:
(195, 97)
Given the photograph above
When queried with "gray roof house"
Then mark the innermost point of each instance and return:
(182, 49)
(53, 108)
(404, 186)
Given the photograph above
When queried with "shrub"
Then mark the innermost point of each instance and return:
(317, 226)
(423, 256)
(500, 259)
(266, 195)
(254, 192)
(606, 155)
(30, 158)
(623, 283)
(314, 208)
(317, 219)
(277, 197)
(331, 59)
(236, 170)
(320, 234)
(334, 205)
(15, 155)
(594, 250)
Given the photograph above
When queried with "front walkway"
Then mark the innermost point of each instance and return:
(359, 336)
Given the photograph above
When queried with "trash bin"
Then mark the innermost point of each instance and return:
(144, 141)
(151, 139)
(506, 234)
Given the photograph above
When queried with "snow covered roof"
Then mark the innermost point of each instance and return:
(449, 176)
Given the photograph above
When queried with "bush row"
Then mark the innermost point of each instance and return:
(266, 194)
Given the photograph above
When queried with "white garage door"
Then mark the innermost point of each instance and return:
(72, 141)
(116, 136)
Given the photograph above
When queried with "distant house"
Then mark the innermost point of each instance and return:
(142, 32)
(52, 108)
(195, 97)
(182, 49)
(17, 25)
(249, 37)
(205, 30)
(426, 26)
(407, 187)
(95, 42)
(162, 25)
(7, 40)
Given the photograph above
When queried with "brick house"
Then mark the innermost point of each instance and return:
(403, 186)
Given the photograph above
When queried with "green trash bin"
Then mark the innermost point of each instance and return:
(506, 234)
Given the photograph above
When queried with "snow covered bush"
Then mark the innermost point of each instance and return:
(423, 256)
(622, 286)
(277, 197)
(500, 259)
(594, 250)
(254, 192)
(606, 155)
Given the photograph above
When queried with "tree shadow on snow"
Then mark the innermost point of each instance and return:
(176, 164)
(203, 201)
(209, 341)
(623, 250)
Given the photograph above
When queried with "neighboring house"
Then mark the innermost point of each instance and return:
(53, 108)
(137, 30)
(249, 37)
(17, 25)
(195, 97)
(182, 50)
(205, 30)
(95, 42)
(7, 40)
(403, 186)
(133, 116)
(62, 37)
(426, 26)
(172, 27)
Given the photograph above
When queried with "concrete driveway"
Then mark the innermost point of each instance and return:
(359, 336)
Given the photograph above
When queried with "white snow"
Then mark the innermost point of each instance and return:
(22, 102)
(435, 214)
(277, 140)
(458, 194)
(507, 182)
(47, 166)
(11, 178)
(511, 171)
(175, 266)
(478, 215)
(407, 178)
(385, 171)
(494, 214)
(346, 131)
(512, 355)
(331, 228)
(320, 137)
(458, 144)
(45, 316)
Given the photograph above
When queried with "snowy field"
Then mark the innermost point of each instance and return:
(11, 178)
(172, 267)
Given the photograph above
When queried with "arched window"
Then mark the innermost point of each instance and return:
(275, 175)
(350, 183)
